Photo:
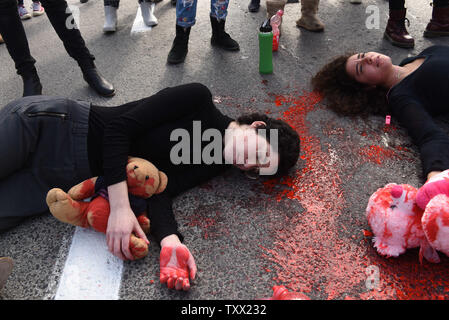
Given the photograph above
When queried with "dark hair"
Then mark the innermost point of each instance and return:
(288, 139)
(345, 95)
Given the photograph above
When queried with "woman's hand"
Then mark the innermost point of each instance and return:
(122, 222)
(176, 264)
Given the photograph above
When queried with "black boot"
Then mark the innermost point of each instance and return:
(95, 80)
(31, 84)
(178, 51)
(254, 6)
(219, 36)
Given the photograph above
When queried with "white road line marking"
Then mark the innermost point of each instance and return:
(139, 25)
(90, 271)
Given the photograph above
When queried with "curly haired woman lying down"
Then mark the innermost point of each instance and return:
(413, 92)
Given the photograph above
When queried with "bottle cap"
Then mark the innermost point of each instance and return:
(266, 26)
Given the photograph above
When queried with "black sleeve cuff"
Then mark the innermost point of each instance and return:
(162, 219)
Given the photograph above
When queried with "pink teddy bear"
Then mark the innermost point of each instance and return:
(399, 222)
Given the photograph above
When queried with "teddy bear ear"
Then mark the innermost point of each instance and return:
(163, 181)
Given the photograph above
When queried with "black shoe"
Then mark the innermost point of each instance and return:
(31, 84)
(83, 1)
(254, 6)
(97, 82)
(173, 2)
(220, 38)
(179, 49)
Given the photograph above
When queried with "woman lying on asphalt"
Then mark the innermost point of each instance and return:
(413, 91)
(48, 142)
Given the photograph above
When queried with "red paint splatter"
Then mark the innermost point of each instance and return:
(378, 154)
(367, 233)
(309, 253)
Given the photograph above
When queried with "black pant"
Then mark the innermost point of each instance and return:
(43, 145)
(13, 33)
(400, 4)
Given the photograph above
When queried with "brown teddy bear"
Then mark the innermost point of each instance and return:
(143, 180)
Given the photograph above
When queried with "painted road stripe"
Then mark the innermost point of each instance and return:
(139, 25)
(90, 271)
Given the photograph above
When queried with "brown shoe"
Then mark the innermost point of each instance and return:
(309, 20)
(273, 6)
(439, 24)
(1, 39)
(395, 32)
(6, 265)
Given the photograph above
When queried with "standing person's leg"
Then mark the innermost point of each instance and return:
(396, 32)
(309, 19)
(63, 22)
(23, 12)
(110, 15)
(147, 11)
(273, 6)
(13, 33)
(185, 19)
(218, 14)
(254, 5)
(439, 24)
(43, 144)
(38, 9)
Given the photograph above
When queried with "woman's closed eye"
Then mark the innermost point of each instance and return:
(359, 66)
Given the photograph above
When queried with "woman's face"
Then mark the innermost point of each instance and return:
(247, 150)
(370, 68)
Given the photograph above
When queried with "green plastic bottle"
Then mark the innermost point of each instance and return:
(266, 48)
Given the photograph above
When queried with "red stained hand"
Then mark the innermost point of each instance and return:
(176, 265)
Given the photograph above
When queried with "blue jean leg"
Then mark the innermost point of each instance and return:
(185, 13)
(219, 9)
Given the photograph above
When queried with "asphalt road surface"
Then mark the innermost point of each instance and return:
(306, 231)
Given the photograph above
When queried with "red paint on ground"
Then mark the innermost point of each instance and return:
(378, 154)
(309, 253)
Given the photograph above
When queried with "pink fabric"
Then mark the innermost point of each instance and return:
(438, 184)
(396, 222)
(395, 219)
(435, 223)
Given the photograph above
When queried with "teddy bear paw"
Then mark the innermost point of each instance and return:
(63, 208)
(138, 247)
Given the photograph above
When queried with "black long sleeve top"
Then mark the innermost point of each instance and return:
(419, 96)
(142, 129)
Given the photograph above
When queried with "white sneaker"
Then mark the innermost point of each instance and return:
(148, 16)
(38, 10)
(110, 19)
(23, 13)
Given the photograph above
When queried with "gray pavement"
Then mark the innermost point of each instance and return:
(245, 237)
